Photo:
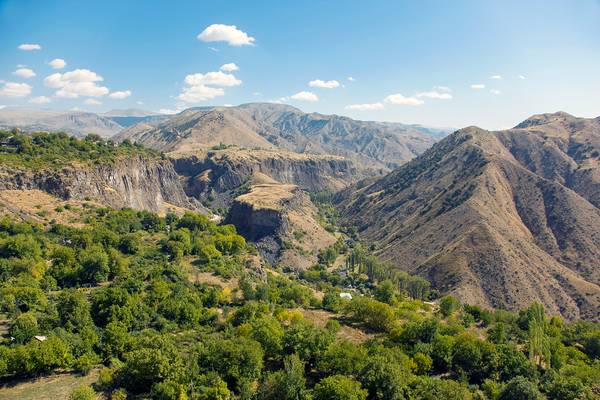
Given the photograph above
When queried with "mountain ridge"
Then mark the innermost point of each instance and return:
(481, 220)
(373, 145)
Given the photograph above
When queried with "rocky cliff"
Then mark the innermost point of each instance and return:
(221, 175)
(280, 220)
(140, 182)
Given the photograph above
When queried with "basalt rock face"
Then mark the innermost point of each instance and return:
(144, 183)
(222, 175)
(280, 220)
(500, 219)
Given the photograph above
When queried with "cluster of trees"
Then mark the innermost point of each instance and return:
(55, 150)
(119, 294)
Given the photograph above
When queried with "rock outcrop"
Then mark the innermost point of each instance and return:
(141, 182)
(219, 176)
(280, 220)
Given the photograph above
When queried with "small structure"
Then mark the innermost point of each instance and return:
(40, 338)
(346, 295)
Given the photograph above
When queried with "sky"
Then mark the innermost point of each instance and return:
(436, 63)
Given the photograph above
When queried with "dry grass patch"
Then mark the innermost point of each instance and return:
(55, 387)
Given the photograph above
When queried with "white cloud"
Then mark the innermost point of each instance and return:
(445, 89)
(12, 89)
(402, 100)
(256, 94)
(228, 105)
(140, 103)
(351, 79)
(225, 33)
(199, 87)
(212, 78)
(214, 49)
(196, 94)
(434, 94)
(323, 84)
(494, 91)
(79, 82)
(305, 96)
(40, 100)
(497, 77)
(365, 107)
(229, 67)
(92, 102)
(30, 47)
(58, 63)
(120, 94)
(24, 73)
(521, 77)
(478, 86)
(1, 107)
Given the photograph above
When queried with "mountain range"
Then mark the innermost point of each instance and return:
(77, 123)
(376, 146)
(499, 219)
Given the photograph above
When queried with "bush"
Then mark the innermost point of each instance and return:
(449, 305)
(339, 387)
(83, 393)
(520, 388)
(24, 328)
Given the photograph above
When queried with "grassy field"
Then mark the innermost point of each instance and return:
(56, 387)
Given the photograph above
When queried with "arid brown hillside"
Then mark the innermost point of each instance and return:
(498, 218)
(372, 145)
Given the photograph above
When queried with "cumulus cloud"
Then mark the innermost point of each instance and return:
(365, 107)
(402, 100)
(24, 73)
(200, 87)
(40, 100)
(229, 67)
(445, 89)
(13, 89)
(305, 96)
(79, 82)
(351, 79)
(435, 94)
(497, 77)
(494, 91)
(212, 78)
(323, 84)
(58, 63)
(120, 94)
(478, 86)
(29, 46)
(225, 33)
(92, 102)
(521, 76)
(195, 94)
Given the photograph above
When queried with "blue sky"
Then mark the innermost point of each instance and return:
(428, 62)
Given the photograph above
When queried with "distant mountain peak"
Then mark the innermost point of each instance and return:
(542, 119)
